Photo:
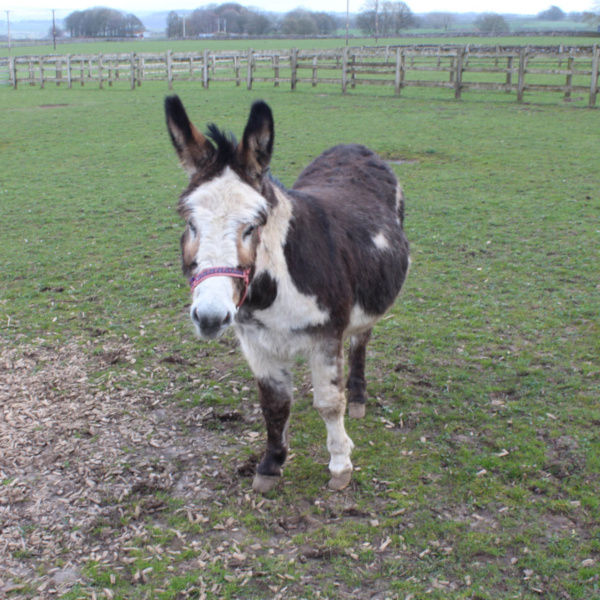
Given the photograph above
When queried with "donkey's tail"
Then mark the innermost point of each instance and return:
(400, 203)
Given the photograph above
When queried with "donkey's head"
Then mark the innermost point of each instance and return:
(225, 206)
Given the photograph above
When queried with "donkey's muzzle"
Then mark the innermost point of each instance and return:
(211, 325)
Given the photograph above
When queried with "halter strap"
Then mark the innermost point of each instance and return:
(223, 271)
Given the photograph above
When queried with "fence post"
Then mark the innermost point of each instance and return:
(294, 65)
(169, 60)
(399, 81)
(569, 82)
(236, 65)
(344, 70)
(69, 74)
(133, 70)
(276, 68)
(205, 70)
(595, 67)
(522, 64)
(249, 76)
(509, 66)
(459, 73)
(12, 62)
(314, 72)
(100, 71)
(41, 72)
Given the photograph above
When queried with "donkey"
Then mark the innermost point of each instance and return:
(295, 271)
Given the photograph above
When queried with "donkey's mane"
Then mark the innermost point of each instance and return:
(226, 144)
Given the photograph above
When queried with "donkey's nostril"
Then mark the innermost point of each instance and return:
(227, 319)
(195, 317)
(210, 326)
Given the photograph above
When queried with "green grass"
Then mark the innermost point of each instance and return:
(479, 456)
(149, 46)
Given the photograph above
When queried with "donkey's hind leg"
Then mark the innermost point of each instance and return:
(357, 384)
(275, 399)
(327, 369)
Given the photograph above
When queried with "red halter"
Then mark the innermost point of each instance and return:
(223, 271)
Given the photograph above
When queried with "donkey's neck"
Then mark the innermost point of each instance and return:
(270, 254)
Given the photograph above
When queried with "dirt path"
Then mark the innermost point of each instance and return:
(75, 451)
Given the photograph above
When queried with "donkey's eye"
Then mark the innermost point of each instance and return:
(248, 232)
(192, 228)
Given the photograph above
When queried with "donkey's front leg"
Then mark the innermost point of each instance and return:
(275, 400)
(327, 368)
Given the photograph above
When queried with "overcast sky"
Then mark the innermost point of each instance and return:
(41, 8)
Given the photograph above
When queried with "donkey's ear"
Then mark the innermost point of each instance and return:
(257, 144)
(193, 149)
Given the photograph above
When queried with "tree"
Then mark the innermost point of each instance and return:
(440, 20)
(326, 23)
(384, 18)
(74, 23)
(397, 16)
(58, 31)
(593, 17)
(174, 25)
(552, 14)
(299, 22)
(224, 18)
(491, 23)
(103, 22)
(259, 24)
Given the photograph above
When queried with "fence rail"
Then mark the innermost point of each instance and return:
(511, 69)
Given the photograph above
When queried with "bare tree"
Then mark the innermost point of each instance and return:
(385, 18)
(440, 20)
(174, 25)
(593, 17)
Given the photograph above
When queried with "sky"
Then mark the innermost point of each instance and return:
(42, 8)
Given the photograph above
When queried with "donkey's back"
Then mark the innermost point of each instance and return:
(347, 245)
(359, 172)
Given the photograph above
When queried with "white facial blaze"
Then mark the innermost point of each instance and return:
(217, 210)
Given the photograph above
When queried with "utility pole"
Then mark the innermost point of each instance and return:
(347, 19)
(183, 16)
(54, 28)
(376, 21)
(8, 27)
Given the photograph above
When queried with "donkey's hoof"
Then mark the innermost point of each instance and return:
(357, 410)
(341, 481)
(264, 483)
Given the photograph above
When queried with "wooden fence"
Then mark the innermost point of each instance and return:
(568, 70)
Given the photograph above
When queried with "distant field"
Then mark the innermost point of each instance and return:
(128, 445)
(215, 45)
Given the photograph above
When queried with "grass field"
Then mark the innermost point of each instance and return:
(266, 44)
(127, 445)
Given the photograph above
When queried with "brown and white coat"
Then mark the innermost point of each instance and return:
(324, 261)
